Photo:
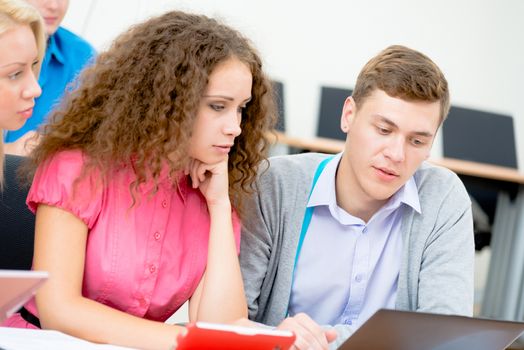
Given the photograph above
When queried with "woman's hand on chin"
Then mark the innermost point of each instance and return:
(211, 179)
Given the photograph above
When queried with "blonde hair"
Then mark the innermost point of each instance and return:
(14, 13)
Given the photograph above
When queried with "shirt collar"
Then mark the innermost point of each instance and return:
(178, 180)
(53, 49)
(324, 192)
(182, 185)
(407, 194)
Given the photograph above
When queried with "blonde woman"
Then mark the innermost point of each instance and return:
(22, 46)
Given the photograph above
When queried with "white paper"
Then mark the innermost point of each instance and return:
(32, 339)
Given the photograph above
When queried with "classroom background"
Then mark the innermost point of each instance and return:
(479, 44)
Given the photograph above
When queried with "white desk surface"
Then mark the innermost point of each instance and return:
(31, 339)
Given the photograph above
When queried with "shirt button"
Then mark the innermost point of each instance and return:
(358, 278)
(152, 268)
(365, 229)
(348, 321)
(164, 204)
(157, 235)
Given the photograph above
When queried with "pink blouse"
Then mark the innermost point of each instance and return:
(146, 259)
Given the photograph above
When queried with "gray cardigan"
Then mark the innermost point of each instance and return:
(436, 272)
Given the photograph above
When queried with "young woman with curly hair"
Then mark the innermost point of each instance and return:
(133, 179)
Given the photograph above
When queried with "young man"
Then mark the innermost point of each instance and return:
(330, 240)
(65, 56)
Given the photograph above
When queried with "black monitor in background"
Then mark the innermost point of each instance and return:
(278, 90)
(483, 137)
(480, 136)
(331, 103)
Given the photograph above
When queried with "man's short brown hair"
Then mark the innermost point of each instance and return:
(406, 74)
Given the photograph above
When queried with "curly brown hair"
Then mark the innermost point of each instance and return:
(137, 103)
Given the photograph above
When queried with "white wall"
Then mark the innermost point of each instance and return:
(479, 44)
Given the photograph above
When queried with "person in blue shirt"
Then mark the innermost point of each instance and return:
(65, 56)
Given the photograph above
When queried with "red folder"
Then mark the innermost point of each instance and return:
(211, 336)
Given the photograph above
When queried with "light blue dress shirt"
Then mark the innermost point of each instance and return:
(348, 269)
(66, 54)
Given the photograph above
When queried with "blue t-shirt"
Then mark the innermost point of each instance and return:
(65, 56)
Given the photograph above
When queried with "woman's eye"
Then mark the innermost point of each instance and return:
(241, 109)
(14, 75)
(216, 107)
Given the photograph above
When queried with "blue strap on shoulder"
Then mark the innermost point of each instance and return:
(309, 210)
(305, 222)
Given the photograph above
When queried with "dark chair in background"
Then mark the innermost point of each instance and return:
(331, 103)
(17, 223)
(483, 137)
(278, 90)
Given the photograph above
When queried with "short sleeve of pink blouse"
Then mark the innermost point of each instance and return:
(59, 182)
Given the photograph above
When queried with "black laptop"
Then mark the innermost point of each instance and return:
(405, 330)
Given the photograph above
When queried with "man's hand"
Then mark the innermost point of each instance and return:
(309, 334)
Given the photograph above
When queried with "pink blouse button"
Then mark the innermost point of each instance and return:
(157, 235)
(164, 203)
(152, 268)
